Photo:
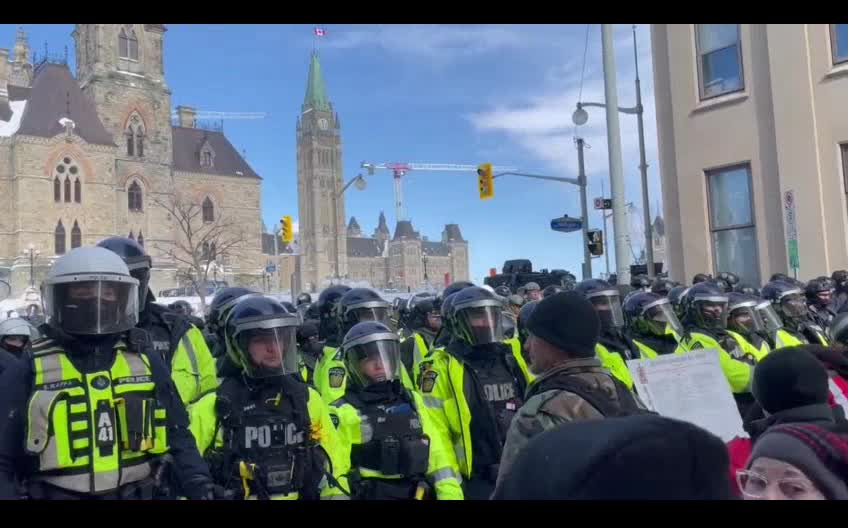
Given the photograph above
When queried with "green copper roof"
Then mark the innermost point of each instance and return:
(316, 92)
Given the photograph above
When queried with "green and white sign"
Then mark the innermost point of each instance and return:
(791, 230)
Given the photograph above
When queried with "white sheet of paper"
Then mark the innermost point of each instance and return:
(690, 387)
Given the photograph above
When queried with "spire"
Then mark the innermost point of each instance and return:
(353, 229)
(316, 92)
(21, 47)
(382, 231)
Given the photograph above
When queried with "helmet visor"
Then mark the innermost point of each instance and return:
(711, 314)
(480, 325)
(374, 362)
(92, 307)
(745, 319)
(660, 319)
(379, 314)
(769, 318)
(794, 305)
(608, 307)
(267, 352)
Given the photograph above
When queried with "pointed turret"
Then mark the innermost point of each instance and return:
(316, 92)
(353, 229)
(382, 232)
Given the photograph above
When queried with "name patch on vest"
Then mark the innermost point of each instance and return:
(263, 435)
(133, 379)
(161, 346)
(57, 385)
(496, 392)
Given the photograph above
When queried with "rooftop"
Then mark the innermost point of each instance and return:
(227, 161)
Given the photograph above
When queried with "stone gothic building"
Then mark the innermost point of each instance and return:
(84, 155)
(330, 250)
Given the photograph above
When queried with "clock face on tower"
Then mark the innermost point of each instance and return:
(322, 124)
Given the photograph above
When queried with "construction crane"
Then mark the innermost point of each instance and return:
(400, 169)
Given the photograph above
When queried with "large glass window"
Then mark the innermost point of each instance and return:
(734, 235)
(844, 148)
(839, 42)
(59, 239)
(134, 198)
(719, 59)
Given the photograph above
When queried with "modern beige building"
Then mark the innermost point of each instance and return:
(749, 117)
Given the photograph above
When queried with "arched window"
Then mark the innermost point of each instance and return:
(77, 191)
(130, 142)
(208, 210)
(133, 41)
(76, 236)
(59, 239)
(139, 142)
(67, 190)
(140, 239)
(204, 254)
(213, 252)
(65, 171)
(134, 134)
(123, 44)
(57, 189)
(134, 197)
(132, 236)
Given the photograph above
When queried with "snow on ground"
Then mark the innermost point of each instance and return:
(8, 128)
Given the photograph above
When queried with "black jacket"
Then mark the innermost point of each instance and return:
(15, 389)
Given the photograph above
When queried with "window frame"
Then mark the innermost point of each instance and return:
(700, 68)
(140, 238)
(130, 193)
(836, 59)
(77, 190)
(57, 231)
(203, 215)
(57, 189)
(67, 189)
(76, 236)
(733, 227)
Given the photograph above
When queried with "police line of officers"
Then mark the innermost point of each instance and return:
(348, 397)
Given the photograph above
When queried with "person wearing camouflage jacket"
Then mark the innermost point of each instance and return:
(572, 385)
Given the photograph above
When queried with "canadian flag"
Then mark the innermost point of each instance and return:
(319, 32)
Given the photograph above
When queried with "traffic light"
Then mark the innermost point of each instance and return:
(486, 181)
(286, 232)
(595, 242)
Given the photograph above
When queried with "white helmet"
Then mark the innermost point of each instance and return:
(18, 327)
(90, 291)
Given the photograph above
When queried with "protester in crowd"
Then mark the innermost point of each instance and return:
(642, 457)
(532, 292)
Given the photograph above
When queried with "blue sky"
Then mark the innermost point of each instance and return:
(424, 93)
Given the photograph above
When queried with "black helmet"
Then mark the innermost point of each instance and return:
(780, 277)
(747, 289)
(840, 279)
(523, 315)
(838, 329)
(182, 307)
(303, 298)
(742, 314)
(701, 277)
(222, 303)
(372, 354)
(476, 316)
(788, 301)
(705, 306)
(662, 286)
(361, 304)
(819, 292)
(326, 306)
(444, 310)
(136, 259)
(675, 297)
(290, 308)
(649, 314)
(729, 277)
(423, 312)
(640, 282)
(606, 299)
(503, 291)
(553, 289)
(455, 287)
(262, 338)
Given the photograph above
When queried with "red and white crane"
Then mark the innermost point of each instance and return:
(399, 169)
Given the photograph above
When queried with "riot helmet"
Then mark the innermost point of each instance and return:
(455, 287)
(840, 280)
(16, 335)
(358, 305)
(552, 289)
(662, 286)
(137, 260)
(303, 298)
(262, 338)
(769, 318)
(701, 277)
(705, 306)
(424, 313)
(728, 280)
(503, 291)
(326, 305)
(606, 300)
(747, 289)
(819, 292)
(476, 317)
(524, 316)
(788, 301)
(648, 314)
(372, 354)
(640, 282)
(90, 291)
(742, 314)
(675, 297)
(182, 307)
(222, 303)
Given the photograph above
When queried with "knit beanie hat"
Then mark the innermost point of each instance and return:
(788, 378)
(821, 454)
(567, 321)
(638, 457)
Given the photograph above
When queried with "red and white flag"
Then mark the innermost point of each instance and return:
(319, 32)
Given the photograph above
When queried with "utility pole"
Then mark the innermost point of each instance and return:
(643, 167)
(619, 218)
(581, 177)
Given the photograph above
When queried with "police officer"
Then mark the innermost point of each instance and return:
(819, 292)
(310, 350)
(705, 321)
(92, 412)
(474, 386)
(552, 289)
(424, 323)
(397, 450)
(640, 282)
(503, 291)
(266, 434)
(184, 309)
(180, 343)
(747, 289)
(532, 292)
(675, 297)
(16, 336)
(523, 317)
(652, 328)
(727, 281)
(701, 277)
(840, 285)
(745, 326)
(790, 304)
(612, 349)
(444, 336)
(221, 304)
(663, 285)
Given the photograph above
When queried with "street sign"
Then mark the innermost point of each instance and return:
(566, 224)
(603, 203)
(270, 268)
(791, 230)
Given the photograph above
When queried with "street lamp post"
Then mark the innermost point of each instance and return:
(581, 116)
(424, 261)
(32, 253)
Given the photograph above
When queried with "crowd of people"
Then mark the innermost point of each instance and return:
(474, 393)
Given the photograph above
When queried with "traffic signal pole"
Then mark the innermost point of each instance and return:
(581, 177)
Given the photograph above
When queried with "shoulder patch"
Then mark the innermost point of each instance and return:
(338, 355)
(337, 375)
(335, 419)
(428, 380)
